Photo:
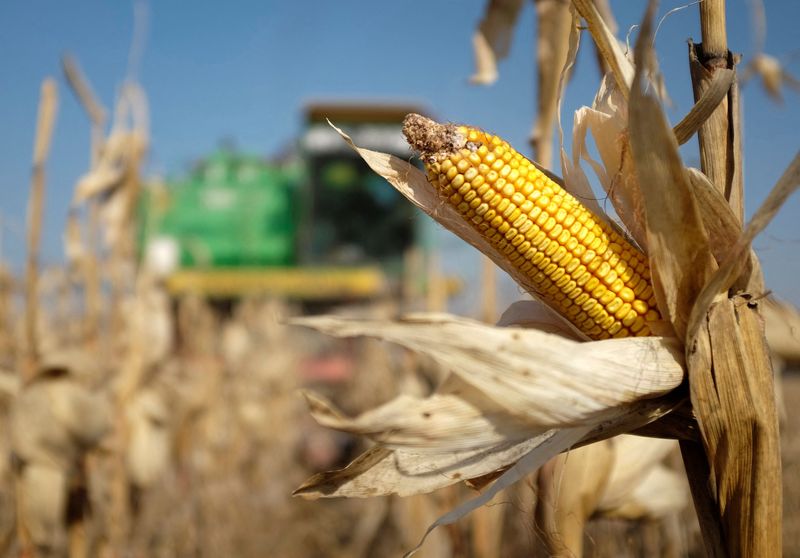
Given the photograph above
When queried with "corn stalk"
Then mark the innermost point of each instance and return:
(737, 483)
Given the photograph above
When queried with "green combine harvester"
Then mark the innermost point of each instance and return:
(317, 226)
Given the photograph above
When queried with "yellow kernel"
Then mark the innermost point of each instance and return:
(582, 277)
(512, 212)
(625, 293)
(615, 327)
(640, 306)
(462, 165)
(615, 303)
(556, 230)
(610, 277)
(652, 316)
(607, 299)
(638, 324)
(623, 311)
(588, 256)
(629, 318)
(559, 254)
(617, 285)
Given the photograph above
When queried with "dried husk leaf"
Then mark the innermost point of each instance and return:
(382, 471)
(608, 45)
(456, 418)
(607, 121)
(679, 251)
(533, 314)
(544, 379)
(492, 40)
(575, 181)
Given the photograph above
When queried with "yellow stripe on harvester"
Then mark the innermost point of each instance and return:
(309, 283)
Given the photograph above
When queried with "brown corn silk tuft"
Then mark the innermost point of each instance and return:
(575, 261)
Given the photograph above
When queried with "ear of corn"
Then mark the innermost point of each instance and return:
(574, 260)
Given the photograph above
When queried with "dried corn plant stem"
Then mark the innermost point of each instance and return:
(737, 483)
(720, 135)
(44, 132)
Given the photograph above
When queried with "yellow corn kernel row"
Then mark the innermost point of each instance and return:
(572, 259)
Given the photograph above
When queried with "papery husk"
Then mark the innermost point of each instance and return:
(530, 373)
(477, 423)
(679, 249)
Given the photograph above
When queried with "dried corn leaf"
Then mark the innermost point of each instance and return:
(492, 40)
(735, 260)
(554, 21)
(782, 328)
(544, 379)
(705, 106)
(679, 251)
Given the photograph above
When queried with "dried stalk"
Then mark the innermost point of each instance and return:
(737, 491)
(48, 104)
(98, 116)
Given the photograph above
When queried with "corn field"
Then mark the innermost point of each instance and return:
(639, 400)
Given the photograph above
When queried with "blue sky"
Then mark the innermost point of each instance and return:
(244, 70)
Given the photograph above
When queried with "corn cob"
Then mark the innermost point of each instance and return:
(571, 258)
